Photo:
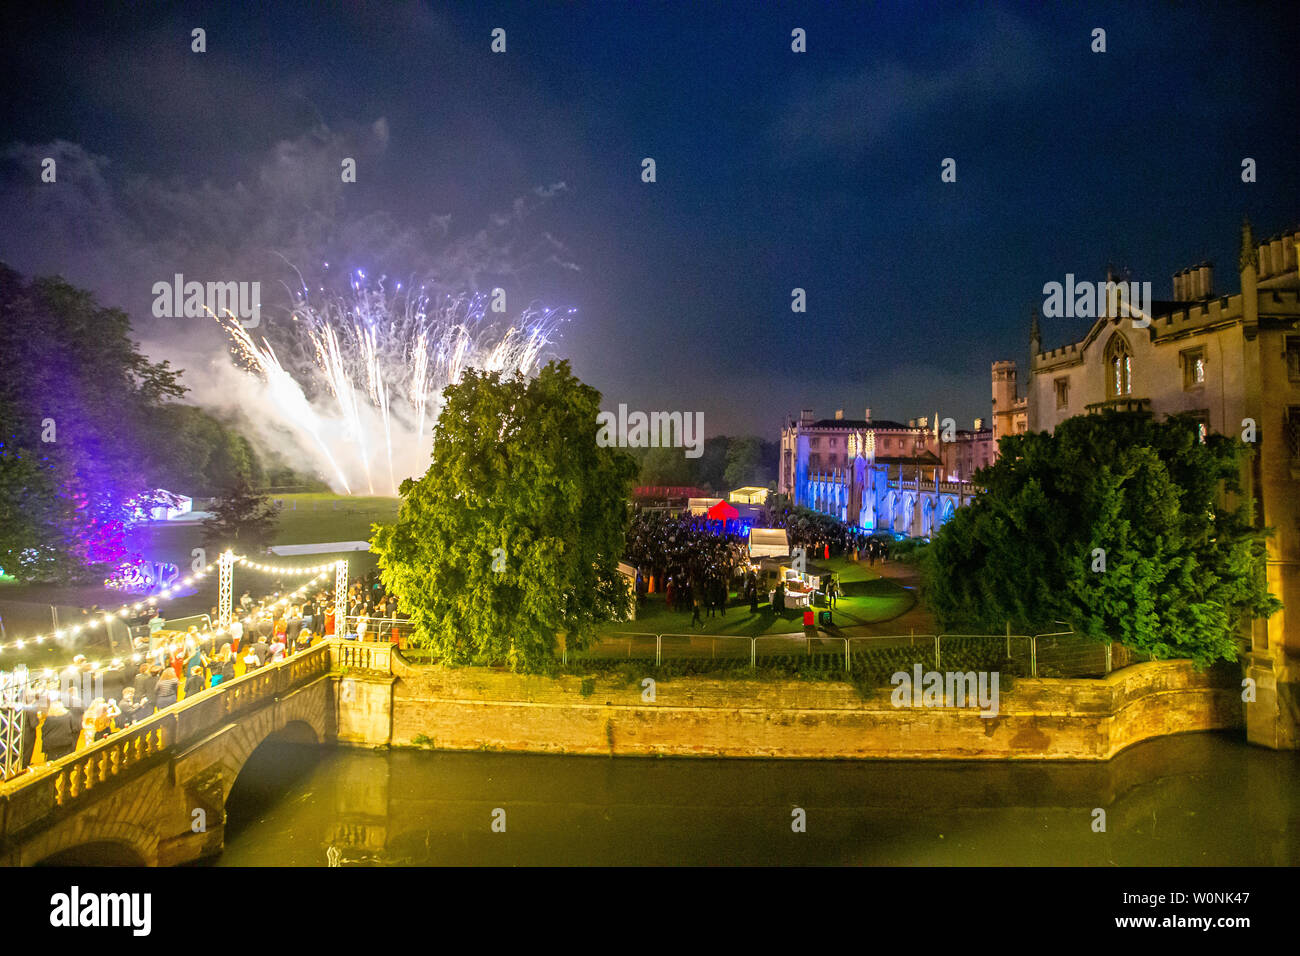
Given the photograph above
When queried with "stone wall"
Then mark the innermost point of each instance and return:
(481, 708)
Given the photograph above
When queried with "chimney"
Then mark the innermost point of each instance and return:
(1178, 287)
(1265, 263)
(979, 424)
(867, 414)
(839, 414)
(1275, 254)
(806, 416)
(1205, 274)
(911, 423)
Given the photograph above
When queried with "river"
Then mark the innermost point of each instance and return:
(1197, 799)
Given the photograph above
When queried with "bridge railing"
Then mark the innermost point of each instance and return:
(29, 797)
(362, 655)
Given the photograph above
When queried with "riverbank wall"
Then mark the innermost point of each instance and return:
(1038, 719)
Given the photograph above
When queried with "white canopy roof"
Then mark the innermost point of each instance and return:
(768, 542)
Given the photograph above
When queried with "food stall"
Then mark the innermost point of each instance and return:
(800, 588)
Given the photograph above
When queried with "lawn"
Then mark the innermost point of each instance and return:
(313, 518)
(868, 599)
(304, 519)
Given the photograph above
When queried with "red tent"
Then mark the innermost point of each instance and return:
(722, 512)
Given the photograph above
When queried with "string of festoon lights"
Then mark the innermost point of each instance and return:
(48, 672)
(164, 595)
(124, 611)
(287, 572)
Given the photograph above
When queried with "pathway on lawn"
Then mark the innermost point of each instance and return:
(878, 601)
(915, 620)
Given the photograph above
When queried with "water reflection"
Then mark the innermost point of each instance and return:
(1197, 799)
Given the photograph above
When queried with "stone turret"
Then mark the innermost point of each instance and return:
(1248, 263)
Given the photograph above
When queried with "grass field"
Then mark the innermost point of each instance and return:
(304, 519)
(316, 518)
(868, 599)
(313, 518)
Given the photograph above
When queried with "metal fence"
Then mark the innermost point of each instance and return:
(390, 629)
(1030, 655)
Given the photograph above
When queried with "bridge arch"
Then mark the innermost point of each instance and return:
(299, 718)
(97, 854)
(93, 843)
(155, 794)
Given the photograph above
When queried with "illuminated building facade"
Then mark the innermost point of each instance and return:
(1231, 361)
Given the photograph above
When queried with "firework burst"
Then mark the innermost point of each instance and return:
(365, 398)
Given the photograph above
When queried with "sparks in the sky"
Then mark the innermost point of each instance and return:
(375, 362)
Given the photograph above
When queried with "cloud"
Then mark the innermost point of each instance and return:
(118, 234)
(289, 215)
(863, 111)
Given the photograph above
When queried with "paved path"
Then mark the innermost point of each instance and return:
(915, 620)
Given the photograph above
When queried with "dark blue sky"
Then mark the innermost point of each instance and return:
(775, 170)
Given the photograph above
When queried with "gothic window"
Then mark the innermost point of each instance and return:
(1119, 368)
(1202, 417)
(1193, 368)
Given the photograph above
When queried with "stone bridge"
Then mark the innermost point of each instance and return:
(155, 793)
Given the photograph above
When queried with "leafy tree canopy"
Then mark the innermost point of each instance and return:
(76, 398)
(197, 454)
(724, 464)
(514, 534)
(1147, 501)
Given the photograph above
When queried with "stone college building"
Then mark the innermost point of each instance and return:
(1232, 361)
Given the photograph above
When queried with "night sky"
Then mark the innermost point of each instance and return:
(775, 170)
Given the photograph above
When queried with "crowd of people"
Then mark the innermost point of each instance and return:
(691, 559)
(696, 563)
(84, 703)
(378, 617)
(822, 536)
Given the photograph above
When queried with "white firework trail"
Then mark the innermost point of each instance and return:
(384, 359)
(284, 392)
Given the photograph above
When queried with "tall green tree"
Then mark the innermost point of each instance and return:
(197, 454)
(514, 533)
(1126, 528)
(76, 401)
(707, 470)
(744, 462)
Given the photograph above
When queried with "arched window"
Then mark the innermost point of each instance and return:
(1119, 368)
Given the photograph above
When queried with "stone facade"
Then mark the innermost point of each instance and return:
(879, 475)
(1052, 719)
(873, 475)
(1232, 361)
(1010, 408)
